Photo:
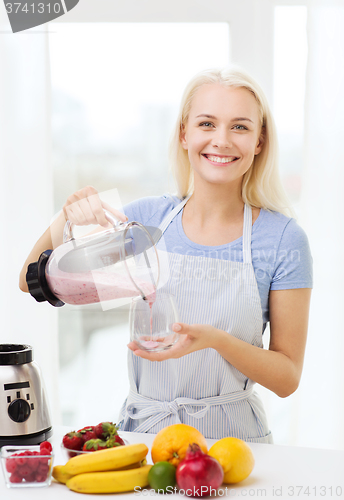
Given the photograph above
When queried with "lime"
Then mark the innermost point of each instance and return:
(161, 476)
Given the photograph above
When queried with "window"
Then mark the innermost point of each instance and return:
(290, 59)
(113, 112)
(116, 92)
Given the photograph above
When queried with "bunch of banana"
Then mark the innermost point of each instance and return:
(106, 471)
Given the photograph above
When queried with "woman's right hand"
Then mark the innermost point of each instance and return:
(81, 208)
(85, 207)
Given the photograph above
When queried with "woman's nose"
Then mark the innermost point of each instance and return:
(222, 139)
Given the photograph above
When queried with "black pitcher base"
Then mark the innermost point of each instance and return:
(26, 439)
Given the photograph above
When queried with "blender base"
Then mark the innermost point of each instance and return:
(26, 439)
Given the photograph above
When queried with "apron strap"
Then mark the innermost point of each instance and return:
(154, 411)
(246, 237)
(167, 221)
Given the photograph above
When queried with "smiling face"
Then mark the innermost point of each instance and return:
(222, 134)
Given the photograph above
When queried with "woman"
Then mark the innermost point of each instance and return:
(236, 260)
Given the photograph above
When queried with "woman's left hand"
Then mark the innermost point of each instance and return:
(192, 338)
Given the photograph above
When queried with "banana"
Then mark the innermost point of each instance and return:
(133, 466)
(106, 460)
(60, 475)
(110, 481)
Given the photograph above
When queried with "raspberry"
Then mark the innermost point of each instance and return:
(31, 478)
(40, 478)
(43, 469)
(15, 478)
(21, 460)
(30, 465)
(43, 461)
(46, 446)
(25, 471)
(34, 462)
(11, 465)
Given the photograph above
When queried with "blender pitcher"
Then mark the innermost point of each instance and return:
(118, 263)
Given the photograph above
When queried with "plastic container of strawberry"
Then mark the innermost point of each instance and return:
(69, 453)
(27, 466)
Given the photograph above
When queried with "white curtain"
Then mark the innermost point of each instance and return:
(321, 398)
(27, 192)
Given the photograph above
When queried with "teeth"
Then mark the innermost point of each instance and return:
(217, 159)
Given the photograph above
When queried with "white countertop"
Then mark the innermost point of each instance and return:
(280, 472)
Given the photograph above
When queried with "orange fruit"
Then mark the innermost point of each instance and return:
(171, 443)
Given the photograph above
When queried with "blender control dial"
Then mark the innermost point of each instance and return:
(19, 410)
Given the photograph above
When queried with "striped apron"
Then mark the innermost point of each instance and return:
(202, 389)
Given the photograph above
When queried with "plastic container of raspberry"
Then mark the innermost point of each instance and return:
(26, 466)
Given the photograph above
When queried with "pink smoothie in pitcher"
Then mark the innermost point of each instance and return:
(96, 286)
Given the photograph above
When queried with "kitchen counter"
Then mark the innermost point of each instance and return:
(280, 472)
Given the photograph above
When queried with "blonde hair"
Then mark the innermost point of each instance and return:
(261, 186)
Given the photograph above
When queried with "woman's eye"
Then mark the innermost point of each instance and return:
(240, 127)
(205, 124)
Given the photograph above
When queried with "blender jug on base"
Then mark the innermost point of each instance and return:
(112, 265)
(24, 417)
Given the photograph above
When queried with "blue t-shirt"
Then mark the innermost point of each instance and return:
(281, 255)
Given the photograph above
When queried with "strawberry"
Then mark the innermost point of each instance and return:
(104, 430)
(114, 441)
(73, 441)
(119, 440)
(87, 433)
(94, 445)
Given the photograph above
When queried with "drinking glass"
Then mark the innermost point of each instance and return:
(151, 322)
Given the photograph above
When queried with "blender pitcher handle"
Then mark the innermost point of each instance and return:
(68, 229)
